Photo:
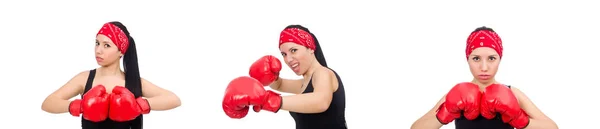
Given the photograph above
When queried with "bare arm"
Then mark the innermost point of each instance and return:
(316, 102)
(429, 120)
(58, 101)
(159, 98)
(288, 85)
(538, 120)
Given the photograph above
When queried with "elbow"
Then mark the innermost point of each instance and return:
(554, 125)
(176, 102)
(322, 106)
(47, 107)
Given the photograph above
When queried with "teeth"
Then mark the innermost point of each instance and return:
(295, 65)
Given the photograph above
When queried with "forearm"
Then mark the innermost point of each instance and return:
(164, 102)
(429, 121)
(304, 103)
(541, 124)
(56, 106)
(275, 85)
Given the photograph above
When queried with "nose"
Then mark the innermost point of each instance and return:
(288, 59)
(484, 66)
(98, 50)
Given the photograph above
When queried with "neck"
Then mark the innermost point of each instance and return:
(110, 70)
(312, 69)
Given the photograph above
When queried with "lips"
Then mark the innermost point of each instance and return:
(99, 59)
(484, 76)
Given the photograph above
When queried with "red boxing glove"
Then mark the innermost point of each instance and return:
(266, 69)
(243, 92)
(463, 97)
(499, 98)
(124, 106)
(94, 105)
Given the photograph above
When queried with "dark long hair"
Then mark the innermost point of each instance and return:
(318, 52)
(133, 80)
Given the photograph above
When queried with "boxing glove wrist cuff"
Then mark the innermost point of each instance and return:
(521, 121)
(144, 105)
(442, 115)
(75, 107)
(272, 102)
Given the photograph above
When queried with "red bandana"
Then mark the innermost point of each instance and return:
(297, 36)
(116, 35)
(484, 38)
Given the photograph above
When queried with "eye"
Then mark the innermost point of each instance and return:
(294, 50)
(106, 45)
(492, 58)
(476, 58)
(97, 43)
(283, 54)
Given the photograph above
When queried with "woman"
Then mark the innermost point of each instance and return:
(122, 107)
(319, 102)
(484, 102)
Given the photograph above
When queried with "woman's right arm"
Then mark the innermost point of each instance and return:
(429, 120)
(287, 85)
(58, 101)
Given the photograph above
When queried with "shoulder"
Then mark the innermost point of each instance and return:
(514, 89)
(323, 73)
(146, 83)
(82, 76)
(521, 97)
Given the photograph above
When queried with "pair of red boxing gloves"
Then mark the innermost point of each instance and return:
(243, 92)
(97, 105)
(466, 98)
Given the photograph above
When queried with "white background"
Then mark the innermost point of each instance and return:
(195, 49)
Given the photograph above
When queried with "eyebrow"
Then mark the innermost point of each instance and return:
(291, 48)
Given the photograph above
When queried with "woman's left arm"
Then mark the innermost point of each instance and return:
(537, 119)
(316, 102)
(159, 98)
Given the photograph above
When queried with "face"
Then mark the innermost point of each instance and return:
(297, 57)
(484, 63)
(106, 51)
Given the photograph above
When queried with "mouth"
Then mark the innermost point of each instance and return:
(99, 59)
(484, 76)
(295, 67)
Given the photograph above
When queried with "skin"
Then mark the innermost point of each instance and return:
(323, 79)
(486, 60)
(110, 75)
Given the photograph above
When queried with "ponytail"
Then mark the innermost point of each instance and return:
(318, 51)
(130, 64)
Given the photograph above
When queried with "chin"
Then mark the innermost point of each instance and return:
(102, 65)
(488, 82)
(300, 73)
(297, 74)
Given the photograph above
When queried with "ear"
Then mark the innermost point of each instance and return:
(311, 51)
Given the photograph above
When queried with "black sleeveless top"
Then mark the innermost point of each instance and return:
(108, 123)
(481, 123)
(332, 118)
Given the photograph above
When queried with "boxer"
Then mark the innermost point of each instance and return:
(484, 103)
(111, 98)
(319, 100)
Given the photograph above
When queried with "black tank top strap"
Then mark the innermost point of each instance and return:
(90, 81)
